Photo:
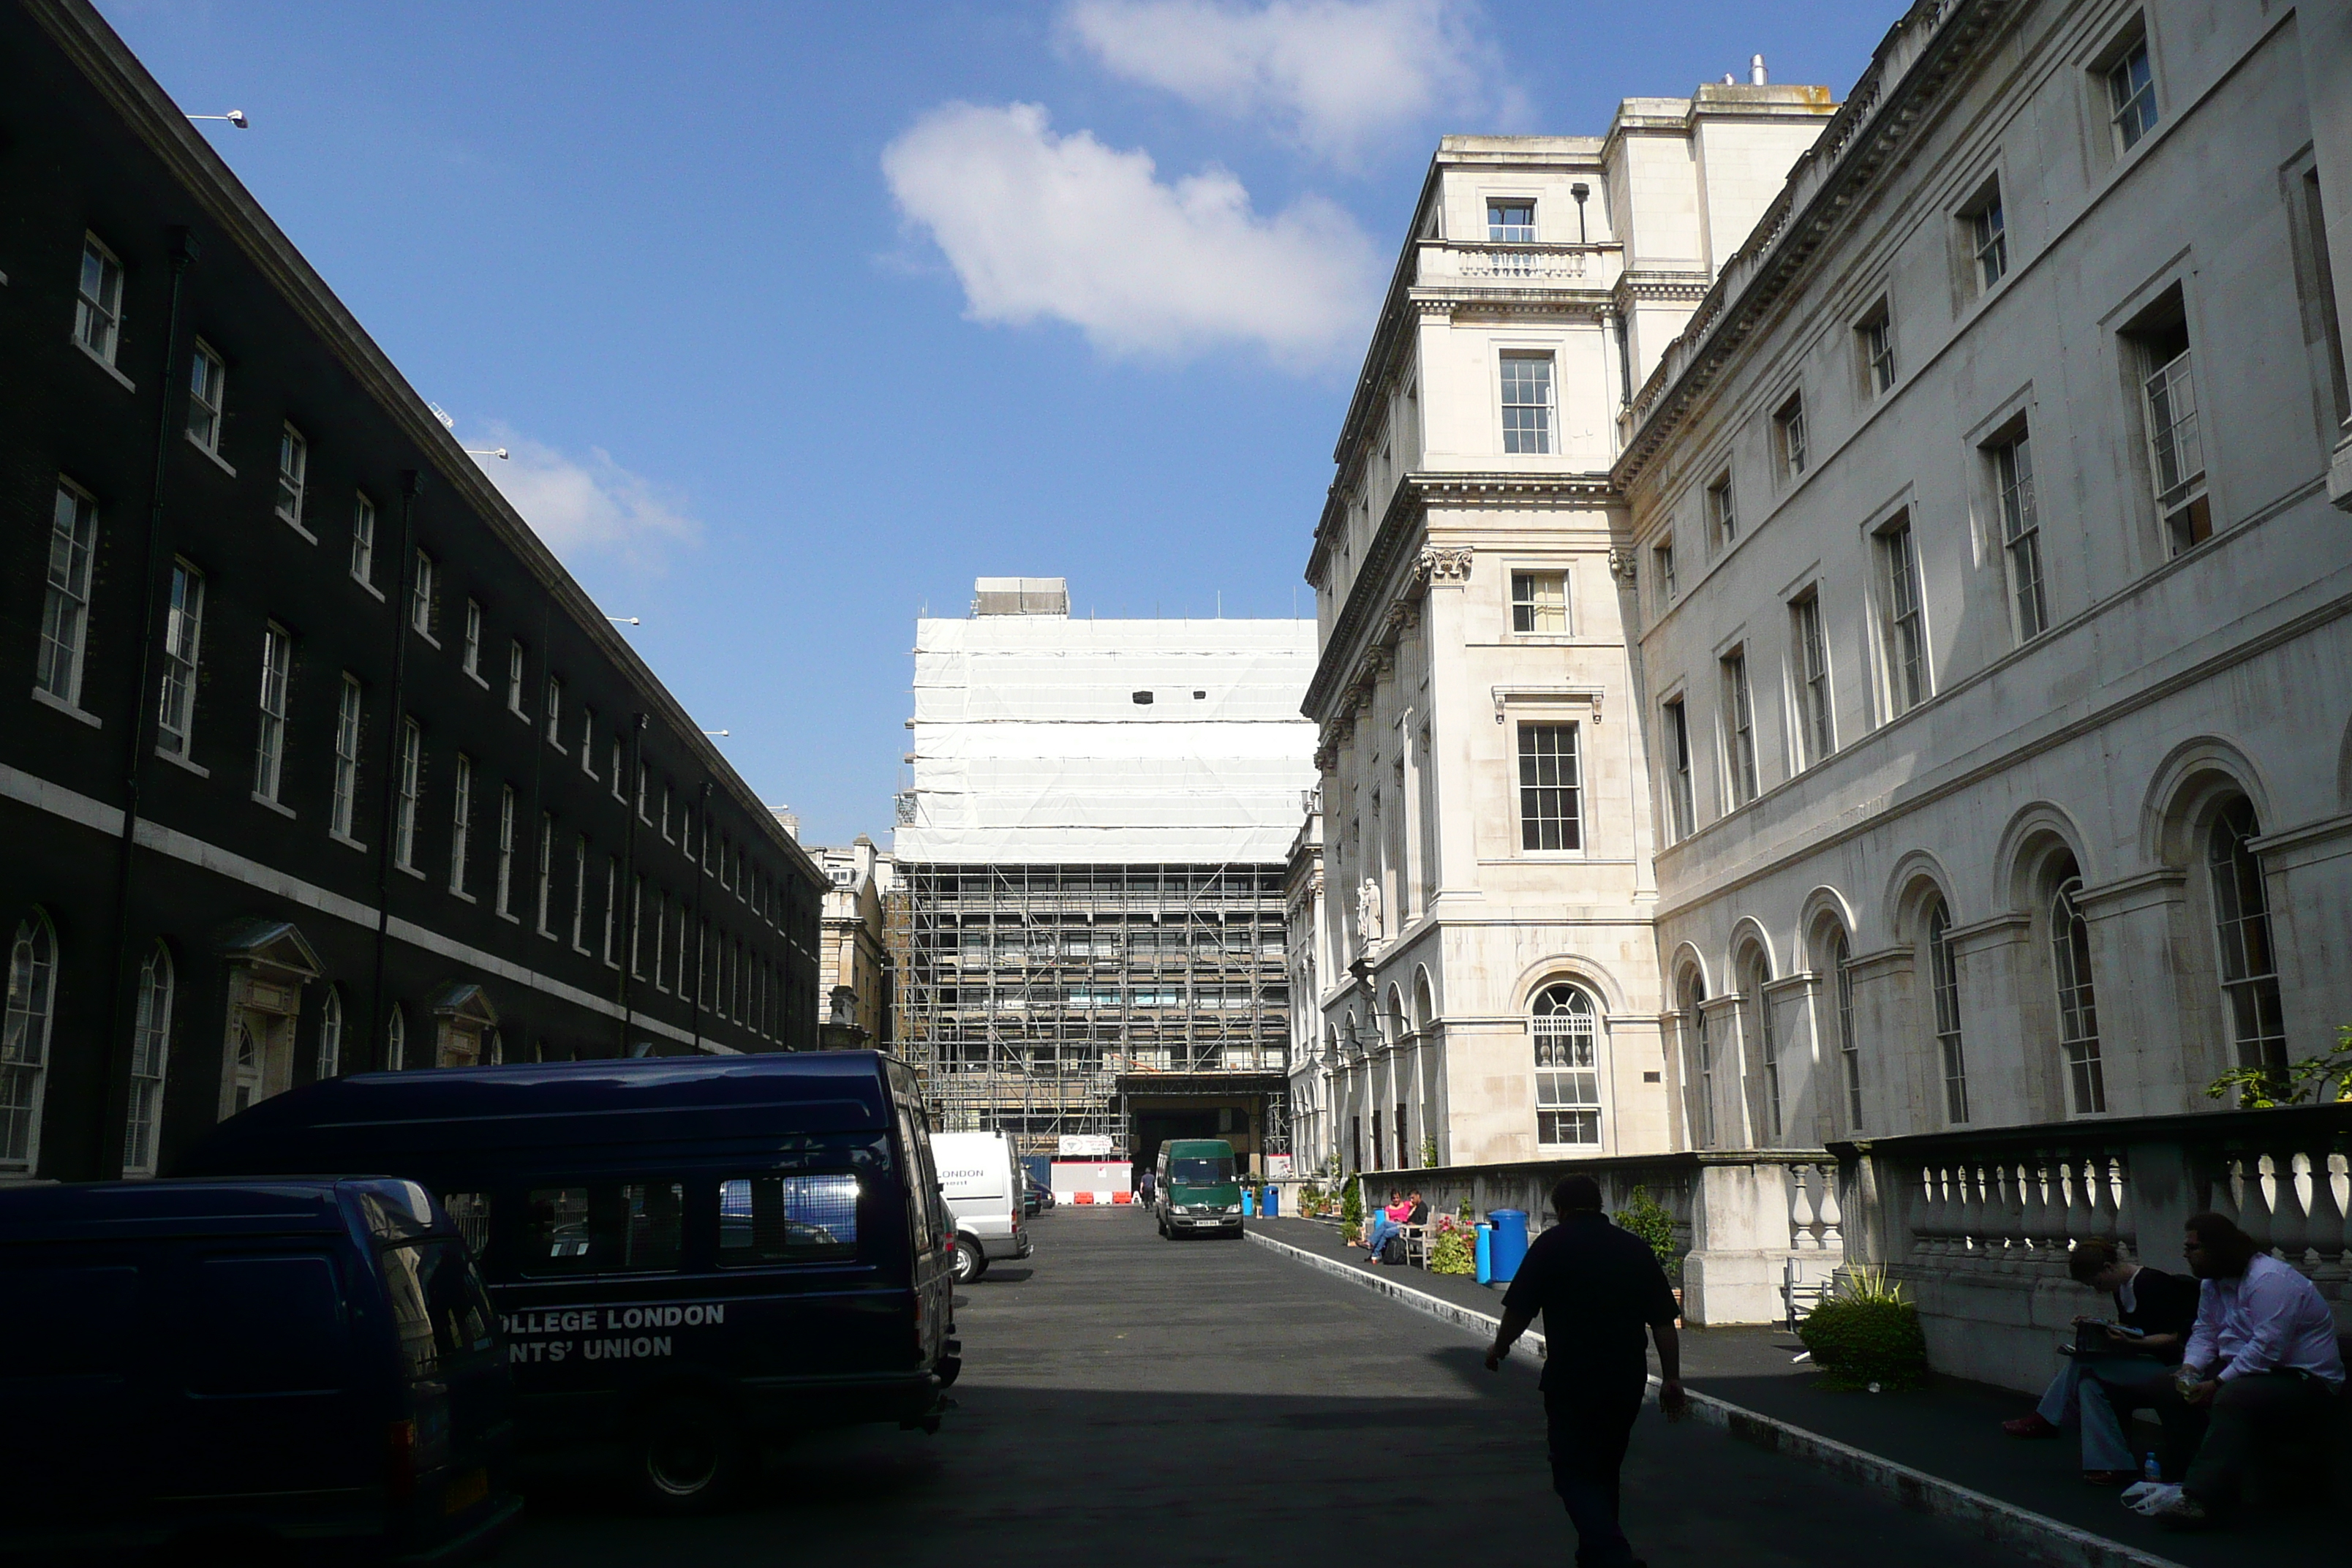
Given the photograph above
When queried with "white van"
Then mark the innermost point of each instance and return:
(982, 1186)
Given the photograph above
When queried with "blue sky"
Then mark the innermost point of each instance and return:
(799, 316)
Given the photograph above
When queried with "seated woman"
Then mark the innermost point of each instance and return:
(1386, 1223)
(2127, 1366)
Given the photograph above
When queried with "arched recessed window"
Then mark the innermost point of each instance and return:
(24, 1040)
(1702, 1058)
(2078, 1012)
(1567, 1066)
(1944, 980)
(151, 1049)
(395, 1040)
(1768, 1046)
(330, 1034)
(1849, 1047)
(2242, 914)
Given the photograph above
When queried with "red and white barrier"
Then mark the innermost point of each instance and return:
(1093, 1183)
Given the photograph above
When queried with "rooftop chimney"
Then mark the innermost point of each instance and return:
(1756, 71)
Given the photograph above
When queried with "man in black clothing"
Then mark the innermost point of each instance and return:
(1597, 1287)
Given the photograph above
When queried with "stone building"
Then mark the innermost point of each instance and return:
(322, 762)
(854, 976)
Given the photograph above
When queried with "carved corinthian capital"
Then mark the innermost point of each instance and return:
(1438, 564)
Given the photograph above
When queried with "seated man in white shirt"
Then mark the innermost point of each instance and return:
(2264, 1358)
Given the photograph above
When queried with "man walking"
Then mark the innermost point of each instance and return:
(1597, 1287)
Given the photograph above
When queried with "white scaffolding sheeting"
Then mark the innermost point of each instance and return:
(1043, 740)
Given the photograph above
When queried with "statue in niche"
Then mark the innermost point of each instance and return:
(1368, 911)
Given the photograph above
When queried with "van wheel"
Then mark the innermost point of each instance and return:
(971, 1262)
(688, 1457)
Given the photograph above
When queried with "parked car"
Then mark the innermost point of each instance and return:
(982, 1187)
(248, 1369)
(689, 1255)
(1195, 1189)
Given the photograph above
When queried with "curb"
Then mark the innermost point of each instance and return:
(2036, 1535)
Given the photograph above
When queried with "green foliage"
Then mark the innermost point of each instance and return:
(1467, 1215)
(1651, 1220)
(1428, 1151)
(1312, 1200)
(2314, 1080)
(1450, 1252)
(1351, 1211)
(1866, 1333)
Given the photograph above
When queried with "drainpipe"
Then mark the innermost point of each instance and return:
(629, 865)
(701, 881)
(114, 1071)
(411, 485)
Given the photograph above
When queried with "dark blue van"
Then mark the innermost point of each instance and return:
(242, 1368)
(688, 1254)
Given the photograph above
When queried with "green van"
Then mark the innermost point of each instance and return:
(1195, 1189)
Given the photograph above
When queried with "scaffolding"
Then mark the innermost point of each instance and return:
(1035, 999)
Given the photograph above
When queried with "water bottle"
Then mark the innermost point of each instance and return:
(2150, 1470)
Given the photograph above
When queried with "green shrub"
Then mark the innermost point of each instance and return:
(1866, 1333)
(1651, 1220)
(1351, 1212)
(1451, 1254)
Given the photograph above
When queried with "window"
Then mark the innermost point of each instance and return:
(293, 468)
(470, 660)
(2330, 335)
(404, 819)
(330, 1034)
(2078, 1014)
(270, 750)
(207, 392)
(347, 755)
(2021, 530)
(554, 713)
(1539, 602)
(421, 596)
(616, 771)
(514, 682)
(1548, 788)
(1768, 1044)
(1988, 234)
(1905, 633)
(1849, 1046)
(1568, 1061)
(151, 1049)
(1527, 402)
(1702, 1059)
(579, 891)
(637, 928)
(668, 796)
(1738, 727)
(2242, 917)
(546, 869)
(1944, 980)
(506, 850)
(1679, 800)
(1722, 515)
(363, 540)
(65, 609)
(395, 1040)
(2131, 96)
(1876, 332)
(612, 905)
(1817, 735)
(461, 821)
(98, 301)
(588, 742)
(1511, 222)
(2175, 441)
(1662, 559)
(183, 622)
(1789, 433)
(787, 1219)
(24, 1040)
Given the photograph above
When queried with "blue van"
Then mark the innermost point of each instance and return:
(247, 1369)
(688, 1254)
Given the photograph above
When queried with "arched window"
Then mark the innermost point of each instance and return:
(1849, 1047)
(395, 1040)
(1701, 1055)
(2241, 913)
(330, 1034)
(1944, 980)
(2078, 1012)
(151, 1049)
(1568, 1067)
(1767, 1048)
(25, 1043)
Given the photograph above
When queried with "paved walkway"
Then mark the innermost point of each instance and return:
(1951, 1428)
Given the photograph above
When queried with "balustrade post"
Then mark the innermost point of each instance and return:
(2289, 1232)
(1801, 1236)
(2328, 1238)
(1975, 1205)
(1833, 1214)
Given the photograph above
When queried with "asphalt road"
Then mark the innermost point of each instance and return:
(1136, 1401)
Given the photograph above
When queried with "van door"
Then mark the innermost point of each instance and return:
(267, 1393)
(76, 1416)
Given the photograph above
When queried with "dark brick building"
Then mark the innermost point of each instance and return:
(312, 758)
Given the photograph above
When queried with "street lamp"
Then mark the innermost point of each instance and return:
(624, 620)
(721, 733)
(235, 117)
(485, 452)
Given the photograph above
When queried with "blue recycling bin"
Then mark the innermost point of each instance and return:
(1510, 1242)
(1249, 1202)
(1272, 1206)
(1482, 1255)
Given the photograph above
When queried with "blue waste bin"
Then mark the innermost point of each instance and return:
(1510, 1245)
(1272, 1206)
(1483, 1254)
(1249, 1202)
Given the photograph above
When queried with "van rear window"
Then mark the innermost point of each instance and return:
(439, 1310)
(787, 1219)
(609, 1227)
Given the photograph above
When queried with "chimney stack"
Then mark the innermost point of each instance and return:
(1756, 71)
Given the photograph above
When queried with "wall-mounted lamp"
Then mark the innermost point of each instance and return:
(720, 733)
(235, 117)
(1579, 191)
(485, 452)
(623, 620)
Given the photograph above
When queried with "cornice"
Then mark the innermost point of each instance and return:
(148, 112)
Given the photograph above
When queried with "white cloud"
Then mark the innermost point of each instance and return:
(592, 508)
(1340, 74)
(1041, 225)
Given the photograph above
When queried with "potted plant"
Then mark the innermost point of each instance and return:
(1352, 1213)
(1866, 1334)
